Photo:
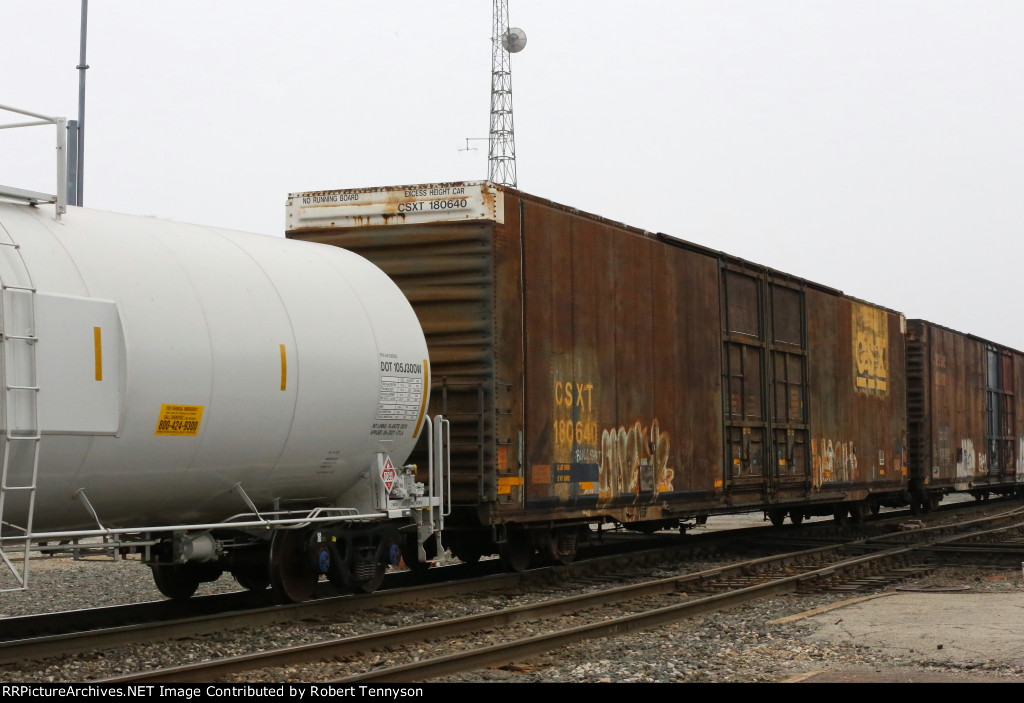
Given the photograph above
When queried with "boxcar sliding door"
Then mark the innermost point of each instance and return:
(764, 368)
(791, 464)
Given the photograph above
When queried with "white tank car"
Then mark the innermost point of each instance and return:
(177, 375)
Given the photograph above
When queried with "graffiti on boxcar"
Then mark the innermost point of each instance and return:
(870, 350)
(833, 461)
(630, 460)
(634, 460)
(966, 459)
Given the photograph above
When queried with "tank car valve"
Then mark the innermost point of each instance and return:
(416, 488)
(406, 485)
(197, 548)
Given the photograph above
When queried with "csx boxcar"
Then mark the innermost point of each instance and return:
(965, 397)
(594, 372)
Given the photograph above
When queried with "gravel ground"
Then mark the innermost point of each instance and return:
(745, 645)
(738, 645)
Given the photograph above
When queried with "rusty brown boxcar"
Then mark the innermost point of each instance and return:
(965, 405)
(594, 372)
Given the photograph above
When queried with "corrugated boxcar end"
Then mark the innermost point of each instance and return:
(445, 270)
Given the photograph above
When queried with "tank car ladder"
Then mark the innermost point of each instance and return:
(19, 395)
(19, 390)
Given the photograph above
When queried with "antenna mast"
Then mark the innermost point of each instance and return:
(501, 159)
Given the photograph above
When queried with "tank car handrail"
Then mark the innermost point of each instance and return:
(438, 430)
(60, 199)
(41, 119)
(431, 428)
(313, 516)
(446, 476)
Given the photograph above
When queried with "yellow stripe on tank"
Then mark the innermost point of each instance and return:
(284, 368)
(97, 343)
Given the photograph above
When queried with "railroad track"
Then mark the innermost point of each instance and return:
(56, 635)
(598, 574)
(507, 635)
(197, 616)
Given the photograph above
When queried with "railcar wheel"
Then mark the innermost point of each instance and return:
(840, 514)
(796, 517)
(859, 511)
(777, 517)
(517, 551)
(176, 581)
(292, 575)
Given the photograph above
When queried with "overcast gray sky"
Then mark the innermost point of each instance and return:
(871, 145)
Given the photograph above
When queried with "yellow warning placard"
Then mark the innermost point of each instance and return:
(179, 420)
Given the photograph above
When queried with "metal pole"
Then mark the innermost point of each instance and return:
(82, 66)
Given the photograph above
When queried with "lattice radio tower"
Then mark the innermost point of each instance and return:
(501, 158)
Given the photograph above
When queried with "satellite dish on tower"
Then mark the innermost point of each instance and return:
(513, 40)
